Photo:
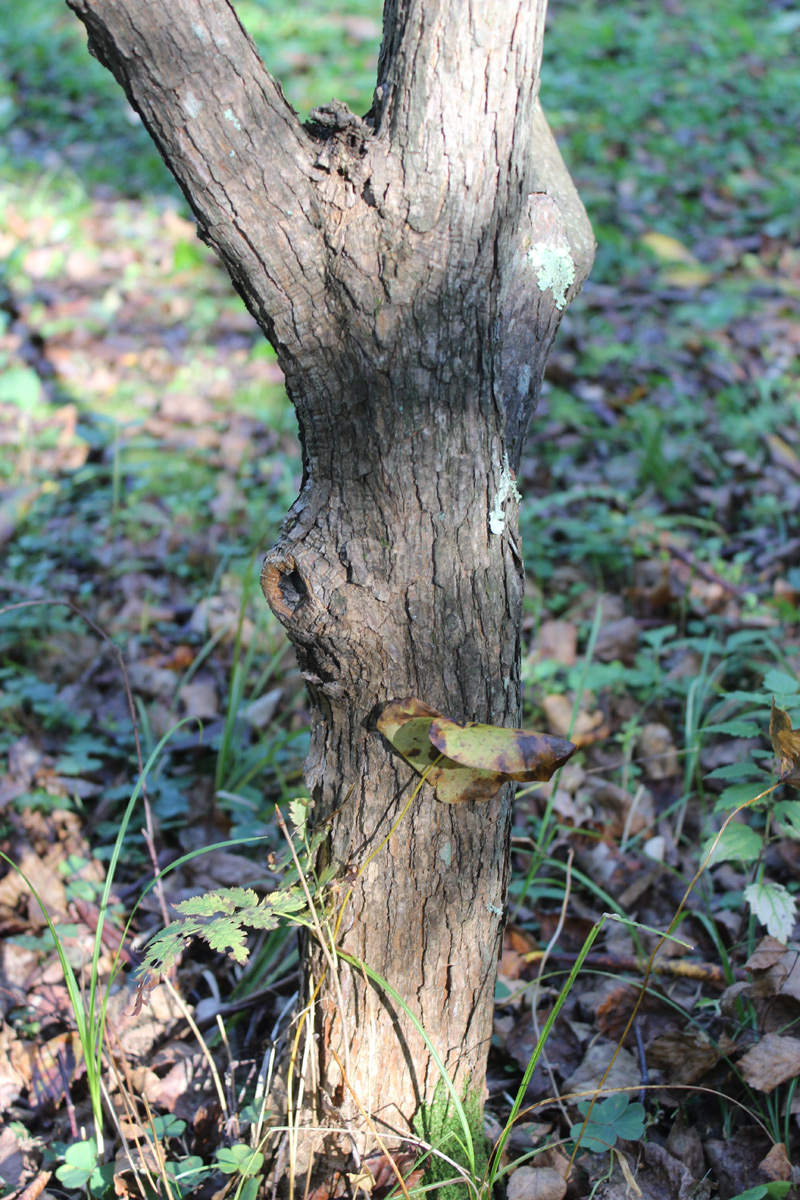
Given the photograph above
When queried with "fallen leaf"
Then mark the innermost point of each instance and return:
(776, 1164)
(767, 953)
(536, 1183)
(588, 726)
(14, 1068)
(686, 277)
(668, 249)
(684, 1056)
(617, 640)
(12, 1159)
(656, 751)
(786, 744)
(199, 699)
(684, 1144)
(772, 1061)
(469, 762)
(625, 1072)
(782, 453)
(776, 969)
(556, 640)
(361, 1180)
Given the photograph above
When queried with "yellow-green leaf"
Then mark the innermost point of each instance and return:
(481, 759)
(519, 754)
(406, 724)
(668, 249)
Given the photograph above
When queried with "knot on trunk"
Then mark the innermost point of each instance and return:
(285, 588)
(288, 592)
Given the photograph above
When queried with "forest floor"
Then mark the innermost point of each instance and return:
(148, 456)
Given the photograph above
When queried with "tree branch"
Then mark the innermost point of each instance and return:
(232, 141)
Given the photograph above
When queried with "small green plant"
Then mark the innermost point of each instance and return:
(610, 1120)
(777, 1188)
(242, 1160)
(220, 918)
(184, 1175)
(84, 1170)
(745, 715)
(440, 1125)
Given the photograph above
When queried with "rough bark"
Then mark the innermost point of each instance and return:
(409, 269)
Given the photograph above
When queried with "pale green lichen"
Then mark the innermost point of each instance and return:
(554, 269)
(506, 491)
(229, 115)
(440, 1126)
(191, 104)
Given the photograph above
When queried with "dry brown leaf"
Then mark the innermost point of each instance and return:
(684, 1144)
(588, 727)
(656, 751)
(14, 1068)
(768, 952)
(624, 1073)
(775, 1164)
(683, 1056)
(772, 1061)
(13, 1166)
(776, 970)
(557, 640)
(536, 1183)
(786, 744)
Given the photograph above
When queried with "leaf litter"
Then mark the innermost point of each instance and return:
(139, 404)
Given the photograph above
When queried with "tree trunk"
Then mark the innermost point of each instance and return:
(410, 269)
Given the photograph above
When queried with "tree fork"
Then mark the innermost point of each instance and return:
(410, 269)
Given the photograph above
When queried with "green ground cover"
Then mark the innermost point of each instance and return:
(149, 454)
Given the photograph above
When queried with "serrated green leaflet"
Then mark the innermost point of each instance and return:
(220, 918)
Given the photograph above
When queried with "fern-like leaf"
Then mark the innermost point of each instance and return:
(221, 919)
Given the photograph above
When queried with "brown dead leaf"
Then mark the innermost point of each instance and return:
(589, 726)
(536, 1183)
(683, 1056)
(782, 453)
(656, 751)
(136, 1157)
(13, 1166)
(776, 970)
(775, 1164)
(54, 1065)
(15, 1070)
(199, 699)
(684, 1143)
(624, 1073)
(772, 1061)
(618, 640)
(664, 1177)
(734, 1161)
(42, 880)
(768, 952)
(786, 744)
(556, 640)
(612, 1014)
